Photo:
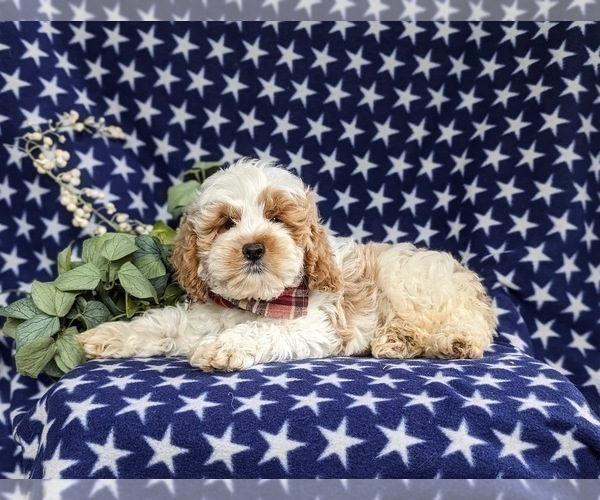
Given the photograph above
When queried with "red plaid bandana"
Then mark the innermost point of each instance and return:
(291, 304)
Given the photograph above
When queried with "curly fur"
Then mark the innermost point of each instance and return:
(392, 301)
(320, 266)
(185, 260)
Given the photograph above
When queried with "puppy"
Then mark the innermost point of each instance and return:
(267, 283)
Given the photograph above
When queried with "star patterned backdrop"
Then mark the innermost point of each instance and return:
(478, 139)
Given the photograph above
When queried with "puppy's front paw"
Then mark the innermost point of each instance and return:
(222, 355)
(102, 342)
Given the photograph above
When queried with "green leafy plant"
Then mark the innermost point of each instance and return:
(117, 276)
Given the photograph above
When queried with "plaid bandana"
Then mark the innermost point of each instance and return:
(291, 304)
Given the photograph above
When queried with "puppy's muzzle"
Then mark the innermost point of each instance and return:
(253, 251)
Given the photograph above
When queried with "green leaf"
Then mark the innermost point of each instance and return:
(49, 299)
(21, 309)
(79, 306)
(131, 306)
(52, 369)
(147, 244)
(135, 283)
(181, 195)
(177, 212)
(163, 233)
(82, 278)
(68, 351)
(120, 301)
(165, 255)
(160, 284)
(64, 260)
(150, 265)
(108, 302)
(118, 246)
(59, 364)
(37, 327)
(114, 266)
(148, 258)
(173, 294)
(32, 358)
(10, 327)
(95, 313)
(92, 252)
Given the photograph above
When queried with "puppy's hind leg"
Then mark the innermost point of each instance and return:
(441, 308)
(398, 339)
(465, 335)
(453, 342)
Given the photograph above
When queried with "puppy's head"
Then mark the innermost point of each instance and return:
(252, 231)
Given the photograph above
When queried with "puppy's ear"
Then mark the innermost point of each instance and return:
(186, 262)
(320, 266)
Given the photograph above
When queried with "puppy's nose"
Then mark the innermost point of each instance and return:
(253, 251)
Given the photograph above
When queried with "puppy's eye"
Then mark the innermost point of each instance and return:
(229, 223)
(276, 220)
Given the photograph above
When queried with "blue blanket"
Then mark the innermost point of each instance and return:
(479, 139)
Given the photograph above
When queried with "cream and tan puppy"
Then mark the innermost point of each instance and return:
(252, 238)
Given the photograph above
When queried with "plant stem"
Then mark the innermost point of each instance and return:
(107, 301)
